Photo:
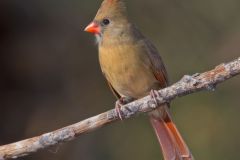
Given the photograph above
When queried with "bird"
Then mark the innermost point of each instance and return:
(133, 69)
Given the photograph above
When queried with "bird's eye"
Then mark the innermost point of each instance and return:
(105, 21)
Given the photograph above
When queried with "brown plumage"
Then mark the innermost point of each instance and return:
(133, 67)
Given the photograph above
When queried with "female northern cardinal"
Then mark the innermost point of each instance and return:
(133, 68)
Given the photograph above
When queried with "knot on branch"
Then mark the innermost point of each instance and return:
(190, 80)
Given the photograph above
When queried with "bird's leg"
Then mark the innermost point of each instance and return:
(121, 102)
(154, 95)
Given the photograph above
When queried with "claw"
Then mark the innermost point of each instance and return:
(119, 103)
(118, 107)
(154, 94)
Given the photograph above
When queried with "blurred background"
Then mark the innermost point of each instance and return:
(50, 76)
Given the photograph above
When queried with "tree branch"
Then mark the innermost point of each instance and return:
(187, 85)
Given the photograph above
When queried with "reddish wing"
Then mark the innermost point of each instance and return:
(158, 67)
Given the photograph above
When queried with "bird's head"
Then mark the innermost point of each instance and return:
(109, 20)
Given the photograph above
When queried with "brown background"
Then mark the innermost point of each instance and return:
(50, 76)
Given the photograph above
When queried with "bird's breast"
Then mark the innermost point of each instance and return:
(128, 69)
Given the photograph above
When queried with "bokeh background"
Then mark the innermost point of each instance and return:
(50, 76)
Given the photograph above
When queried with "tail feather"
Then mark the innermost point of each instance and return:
(172, 144)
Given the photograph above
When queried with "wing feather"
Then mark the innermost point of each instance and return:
(157, 65)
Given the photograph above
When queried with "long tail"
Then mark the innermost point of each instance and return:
(171, 141)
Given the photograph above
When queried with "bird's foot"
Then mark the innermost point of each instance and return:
(118, 106)
(154, 95)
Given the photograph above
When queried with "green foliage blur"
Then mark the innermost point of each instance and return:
(50, 76)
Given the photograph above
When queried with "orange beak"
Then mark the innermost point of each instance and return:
(93, 27)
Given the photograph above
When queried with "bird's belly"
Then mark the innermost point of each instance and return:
(132, 83)
(128, 75)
